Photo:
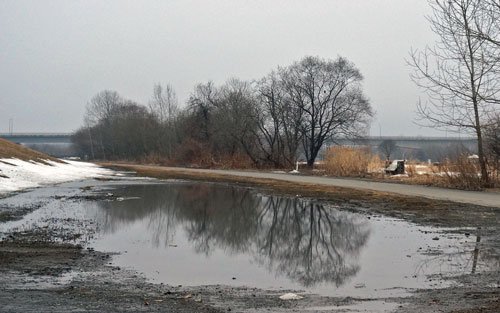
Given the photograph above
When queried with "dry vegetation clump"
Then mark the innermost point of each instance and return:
(236, 160)
(351, 162)
(11, 150)
(193, 153)
(411, 169)
(460, 173)
(156, 158)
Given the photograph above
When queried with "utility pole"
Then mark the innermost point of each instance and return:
(11, 126)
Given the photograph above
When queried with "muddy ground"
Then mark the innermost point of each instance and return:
(45, 269)
(39, 274)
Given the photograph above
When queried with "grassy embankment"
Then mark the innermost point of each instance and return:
(11, 150)
(418, 209)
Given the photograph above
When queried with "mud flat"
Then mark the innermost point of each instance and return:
(63, 253)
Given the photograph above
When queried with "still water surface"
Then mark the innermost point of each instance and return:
(200, 234)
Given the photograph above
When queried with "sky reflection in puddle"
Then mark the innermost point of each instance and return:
(202, 234)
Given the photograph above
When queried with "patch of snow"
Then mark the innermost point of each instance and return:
(22, 174)
(291, 296)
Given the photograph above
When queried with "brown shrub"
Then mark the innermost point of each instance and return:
(348, 162)
(236, 160)
(410, 169)
(376, 165)
(193, 153)
(462, 173)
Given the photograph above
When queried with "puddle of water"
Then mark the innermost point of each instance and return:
(192, 234)
(182, 233)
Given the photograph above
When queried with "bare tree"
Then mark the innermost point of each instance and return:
(201, 103)
(234, 123)
(488, 22)
(329, 94)
(387, 147)
(279, 122)
(460, 73)
(164, 103)
(99, 112)
(101, 106)
(492, 137)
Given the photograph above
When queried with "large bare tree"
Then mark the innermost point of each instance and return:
(460, 72)
(329, 94)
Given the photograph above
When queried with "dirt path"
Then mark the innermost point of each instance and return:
(489, 199)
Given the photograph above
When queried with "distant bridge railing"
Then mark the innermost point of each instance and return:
(34, 138)
(38, 138)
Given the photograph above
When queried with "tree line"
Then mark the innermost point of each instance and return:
(270, 122)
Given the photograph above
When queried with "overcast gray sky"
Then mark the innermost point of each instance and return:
(55, 55)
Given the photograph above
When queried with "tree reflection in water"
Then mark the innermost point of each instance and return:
(307, 241)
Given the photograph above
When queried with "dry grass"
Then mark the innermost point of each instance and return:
(462, 173)
(351, 162)
(11, 150)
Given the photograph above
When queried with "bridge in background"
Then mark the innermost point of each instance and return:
(59, 144)
(38, 138)
(408, 142)
(374, 141)
(55, 144)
